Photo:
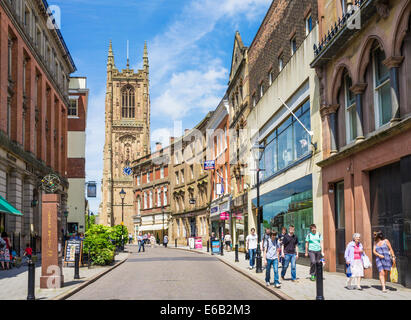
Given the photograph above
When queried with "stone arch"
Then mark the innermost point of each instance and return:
(343, 65)
(365, 56)
(401, 28)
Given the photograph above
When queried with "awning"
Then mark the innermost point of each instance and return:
(153, 227)
(8, 208)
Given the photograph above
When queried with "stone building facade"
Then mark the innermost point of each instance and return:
(35, 65)
(364, 64)
(189, 185)
(238, 94)
(127, 137)
(76, 154)
(281, 80)
(152, 193)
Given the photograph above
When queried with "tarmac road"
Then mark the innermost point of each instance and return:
(168, 274)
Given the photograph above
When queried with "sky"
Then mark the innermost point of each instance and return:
(190, 44)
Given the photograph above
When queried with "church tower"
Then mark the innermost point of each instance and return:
(127, 136)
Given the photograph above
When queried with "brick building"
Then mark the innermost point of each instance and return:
(76, 153)
(35, 65)
(364, 64)
(281, 79)
(152, 193)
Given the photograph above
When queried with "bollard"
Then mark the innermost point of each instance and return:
(221, 248)
(76, 265)
(319, 275)
(208, 245)
(175, 241)
(236, 253)
(31, 284)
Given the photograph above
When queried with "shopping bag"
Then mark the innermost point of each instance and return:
(366, 262)
(348, 271)
(394, 274)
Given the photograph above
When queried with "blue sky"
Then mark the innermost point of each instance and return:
(189, 45)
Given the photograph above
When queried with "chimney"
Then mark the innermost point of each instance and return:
(158, 146)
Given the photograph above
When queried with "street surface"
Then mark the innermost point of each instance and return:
(169, 274)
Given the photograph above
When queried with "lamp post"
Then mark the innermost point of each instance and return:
(162, 211)
(122, 196)
(66, 213)
(258, 152)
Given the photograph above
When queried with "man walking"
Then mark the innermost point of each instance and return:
(265, 238)
(289, 250)
(251, 246)
(165, 241)
(314, 249)
(281, 238)
(271, 250)
(140, 242)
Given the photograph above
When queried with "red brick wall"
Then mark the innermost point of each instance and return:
(76, 168)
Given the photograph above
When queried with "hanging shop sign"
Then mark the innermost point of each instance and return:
(209, 165)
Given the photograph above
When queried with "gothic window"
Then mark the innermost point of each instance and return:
(128, 102)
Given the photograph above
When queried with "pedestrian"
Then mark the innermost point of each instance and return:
(130, 238)
(251, 247)
(281, 238)
(289, 249)
(227, 241)
(354, 259)
(140, 242)
(271, 251)
(385, 257)
(152, 241)
(165, 241)
(265, 238)
(314, 249)
(5, 251)
(28, 252)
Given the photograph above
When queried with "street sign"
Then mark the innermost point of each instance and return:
(209, 165)
(127, 171)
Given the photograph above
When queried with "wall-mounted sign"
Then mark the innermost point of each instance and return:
(127, 171)
(224, 216)
(91, 189)
(214, 209)
(209, 165)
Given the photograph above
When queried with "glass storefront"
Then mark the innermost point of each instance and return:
(291, 204)
(239, 222)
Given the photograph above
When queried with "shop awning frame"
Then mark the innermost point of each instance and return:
(6, 207)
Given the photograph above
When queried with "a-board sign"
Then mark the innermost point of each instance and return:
(72, 246)
(215, 246)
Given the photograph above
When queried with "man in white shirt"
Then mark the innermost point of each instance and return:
(251, 246)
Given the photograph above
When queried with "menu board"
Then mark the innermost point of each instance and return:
(72, 246)
(215, 246)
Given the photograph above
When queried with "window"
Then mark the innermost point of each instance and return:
(344, 6)
(151, 199)
(177, 180)
(254, 101)
(73, 106)
(24, 76)
(261, 90)
(182, 176)
(270, 78)
(192, 171)
(138, 180)
(161, 172)
(382, 89)
(350, 111)
(10, 58)
(308, 25)
(38, 38)
(165, 197)
(293, 43)
(148, 176)
(26, 18)
(159, 198)
(128, 102)
(145, 200)
(280, 64)
(287, 143)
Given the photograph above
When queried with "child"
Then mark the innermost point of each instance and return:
(28, 251)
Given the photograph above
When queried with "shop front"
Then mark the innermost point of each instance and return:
(239, 221)
(291, 204)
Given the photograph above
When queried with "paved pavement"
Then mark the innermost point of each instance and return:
(13, 283)
(166, 274)
(305, 289)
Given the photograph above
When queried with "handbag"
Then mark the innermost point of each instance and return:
(394, 274)
(348, 271)
(366, 262)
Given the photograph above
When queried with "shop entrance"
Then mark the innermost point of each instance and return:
(339, 225)
(390, 188)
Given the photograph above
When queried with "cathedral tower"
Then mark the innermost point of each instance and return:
(127, 136)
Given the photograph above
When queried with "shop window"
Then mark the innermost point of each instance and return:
(350, 110)
(382, 89)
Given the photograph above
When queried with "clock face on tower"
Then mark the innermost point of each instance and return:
(127, 171)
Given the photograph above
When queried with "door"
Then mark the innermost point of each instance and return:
(339, 224)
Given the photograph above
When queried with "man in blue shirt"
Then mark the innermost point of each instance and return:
(140, 242)
(271, 250)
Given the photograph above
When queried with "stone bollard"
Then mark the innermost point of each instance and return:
(208, 245)
(31, 283)
(221, 248)
(175, 241)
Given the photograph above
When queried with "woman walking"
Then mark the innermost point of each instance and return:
(384, 253)
(353, 258)
(5, 252)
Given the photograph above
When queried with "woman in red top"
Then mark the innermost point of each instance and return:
(5, 252)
